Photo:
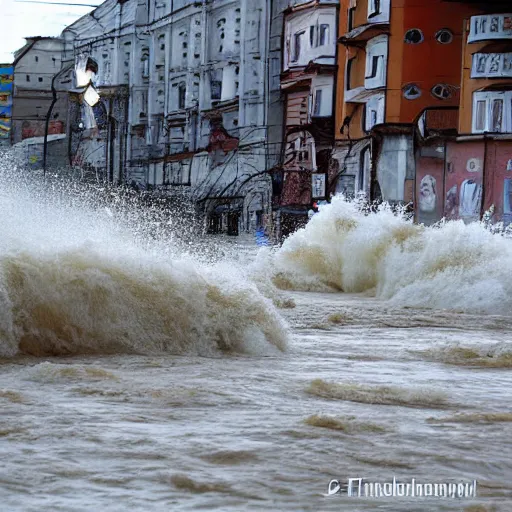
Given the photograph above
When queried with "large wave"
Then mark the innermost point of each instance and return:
(450, 266)
(78, 279)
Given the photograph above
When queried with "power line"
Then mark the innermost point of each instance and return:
(53, 3)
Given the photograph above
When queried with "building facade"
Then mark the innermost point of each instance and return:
(190, 101)
(399, 59)
(478, 161)
(37, 75)
(421, 108)
(308, 86)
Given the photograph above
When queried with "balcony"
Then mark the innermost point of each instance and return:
(492, 65)
(490, 27)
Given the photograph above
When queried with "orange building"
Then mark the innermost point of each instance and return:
(400, 63)
(478, 162)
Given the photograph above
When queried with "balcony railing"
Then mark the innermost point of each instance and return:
(492, 65)
(490, 27)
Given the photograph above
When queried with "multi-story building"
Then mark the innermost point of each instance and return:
(400, 59)
(190, 100)
(308, 86)
(422, 105)
(478, 161)
(104, 42)
(35, 66)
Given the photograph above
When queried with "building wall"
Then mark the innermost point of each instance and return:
(468, 84)
(6, 86)
(430, 62)
(308, 85)
(498, 179)
(422, 63)
(205, 106)
(35, 66)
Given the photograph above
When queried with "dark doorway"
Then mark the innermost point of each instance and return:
(233, 220)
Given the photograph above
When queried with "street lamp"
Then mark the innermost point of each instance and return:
(85, 69)
(48, 115)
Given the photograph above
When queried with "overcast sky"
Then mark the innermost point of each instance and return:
(20, 20)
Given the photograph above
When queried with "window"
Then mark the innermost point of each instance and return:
(374, 112)
(216, 86)
(442, 91)
(40, 79)
(374, 7)
(324, 34)
(297, 46)
(364, 169)
(496, 115)
(317, 108)
(351, 15)
(414, 36)
(491, 65)
(182, 94)
(480, 116)
(348, 79)
(444, 36)
(36, 58)
(27, 78)
(492, 111)
(378, 11)
(376, 62)
(302, 148)
(373, 117)
(145, 63)
(411, 91)
(312, 33)
(221, 33)
(490, 26)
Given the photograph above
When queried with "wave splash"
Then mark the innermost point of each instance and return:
(451, 266)
(80, 302)
(76, 280)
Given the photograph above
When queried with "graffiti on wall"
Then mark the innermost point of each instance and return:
(464, 179)
(31, 129)
(6, 80)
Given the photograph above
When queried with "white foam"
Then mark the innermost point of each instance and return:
(451, 266)
(76, 278)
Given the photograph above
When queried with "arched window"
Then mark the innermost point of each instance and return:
(364, 169)
(145, 62)
(182, 95)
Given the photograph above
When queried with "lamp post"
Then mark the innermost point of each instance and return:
(48, 115)
(90, 95)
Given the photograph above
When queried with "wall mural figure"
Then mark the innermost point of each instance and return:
(428, 200)
(470, 199)
(451, 203)
(507, 200)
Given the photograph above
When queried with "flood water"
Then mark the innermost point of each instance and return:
(133, 378)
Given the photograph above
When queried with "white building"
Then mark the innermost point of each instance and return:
(35, 66)
(191, 101)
